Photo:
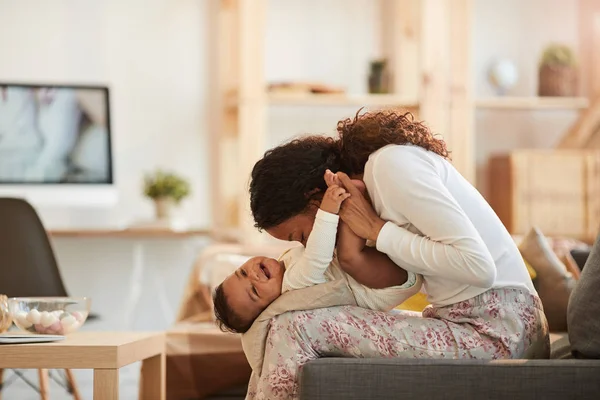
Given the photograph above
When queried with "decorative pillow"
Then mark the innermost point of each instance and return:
(584, 309)
(553, 283)
(532, 273)
(571, 265)
(418, 302)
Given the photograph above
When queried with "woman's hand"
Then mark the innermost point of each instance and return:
(357, 212)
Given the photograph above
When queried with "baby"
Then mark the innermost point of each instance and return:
(258, 282)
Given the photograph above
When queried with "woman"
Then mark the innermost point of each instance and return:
(429, 220)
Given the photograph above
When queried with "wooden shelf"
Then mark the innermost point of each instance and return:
(418, 60)
(303, 99)
(127, 233)
(532, 103)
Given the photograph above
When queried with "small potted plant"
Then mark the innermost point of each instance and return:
(167, 190)
(558, 72)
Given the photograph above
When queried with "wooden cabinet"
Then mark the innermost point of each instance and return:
(557, 191)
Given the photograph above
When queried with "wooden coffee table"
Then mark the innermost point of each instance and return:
(104, 352)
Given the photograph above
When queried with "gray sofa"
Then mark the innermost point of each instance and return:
(354, 379)
(561, 377)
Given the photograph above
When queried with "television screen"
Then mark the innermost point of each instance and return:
(54, 134)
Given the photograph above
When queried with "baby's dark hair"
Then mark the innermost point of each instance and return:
(227, 319)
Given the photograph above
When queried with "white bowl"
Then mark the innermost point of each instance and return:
(49, 315)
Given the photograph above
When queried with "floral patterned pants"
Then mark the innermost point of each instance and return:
(498, 324)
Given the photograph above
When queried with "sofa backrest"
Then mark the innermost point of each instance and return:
(583, 313)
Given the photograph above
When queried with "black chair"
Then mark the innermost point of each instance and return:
(28, 267)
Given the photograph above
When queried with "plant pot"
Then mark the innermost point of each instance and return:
(163, 208)
(379, 79)
(5, 318)
(557, 80)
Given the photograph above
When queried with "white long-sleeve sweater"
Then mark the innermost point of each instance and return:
(440, 226)
(316, 264)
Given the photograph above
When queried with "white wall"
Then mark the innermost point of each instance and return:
(152, 55)
(344, 36)
(329, 42)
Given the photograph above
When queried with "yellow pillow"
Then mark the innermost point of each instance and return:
(532, 273)
(416, 302)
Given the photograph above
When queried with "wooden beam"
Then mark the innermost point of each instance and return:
(446, 93)
(595, 65)
(400, 31)
(589, 47)
(592, 202)
(583, 130)
(238, 136)
(434, 66)
(252, 126)
(224, 124)
(461, 104)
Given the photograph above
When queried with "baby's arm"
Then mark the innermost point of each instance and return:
(309, 269)
(366, 265)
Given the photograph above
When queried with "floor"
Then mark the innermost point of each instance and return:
(19, 390)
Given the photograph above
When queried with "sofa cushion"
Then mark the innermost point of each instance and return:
(569, 262)
(560, 348)
(584, 309)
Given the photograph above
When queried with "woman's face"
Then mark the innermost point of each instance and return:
(296, 228)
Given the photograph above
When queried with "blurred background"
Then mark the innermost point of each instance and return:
(197, 90)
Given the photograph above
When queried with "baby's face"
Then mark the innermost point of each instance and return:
(253, 286)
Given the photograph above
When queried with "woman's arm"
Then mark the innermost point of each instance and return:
(408, 183)
(366, 265)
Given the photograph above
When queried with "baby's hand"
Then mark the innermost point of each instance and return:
(331, 179)
(333, 198)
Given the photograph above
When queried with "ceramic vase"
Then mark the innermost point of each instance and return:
(503, 76)
(164, 208)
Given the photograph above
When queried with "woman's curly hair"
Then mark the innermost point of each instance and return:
(366, 133)
(288, 177)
